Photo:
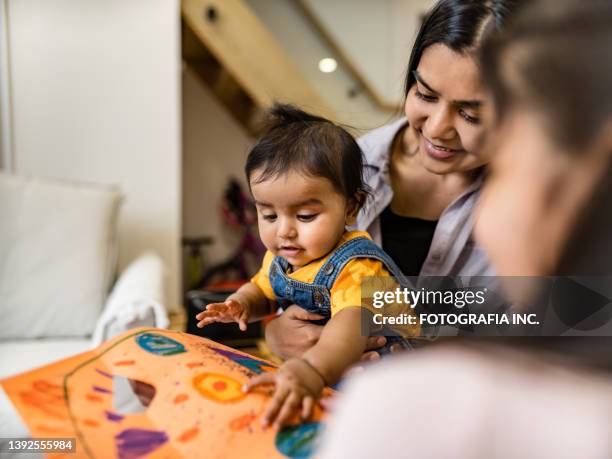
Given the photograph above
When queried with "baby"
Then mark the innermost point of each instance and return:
(305, 175)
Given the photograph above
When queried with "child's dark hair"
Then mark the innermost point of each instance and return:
(309, 144)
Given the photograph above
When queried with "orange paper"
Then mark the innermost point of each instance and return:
(188, 390)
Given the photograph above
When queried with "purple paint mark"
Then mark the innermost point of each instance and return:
(102, 390)
(113, 417)
(244, 360)
(104, 373)
(230, 354)
(133, 443)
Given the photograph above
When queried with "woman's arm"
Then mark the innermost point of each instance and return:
(291, 335)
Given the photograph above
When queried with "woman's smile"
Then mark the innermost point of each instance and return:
(437, 151)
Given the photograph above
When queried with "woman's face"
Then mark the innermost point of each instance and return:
(443, 106)
(533, 195)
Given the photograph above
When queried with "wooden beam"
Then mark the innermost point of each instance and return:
(250, 55)
(364, 83)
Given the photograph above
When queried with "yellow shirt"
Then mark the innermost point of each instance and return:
(346, 290)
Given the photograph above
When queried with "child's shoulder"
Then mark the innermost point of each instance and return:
(360, 265)
(359, 275)
(350, 235)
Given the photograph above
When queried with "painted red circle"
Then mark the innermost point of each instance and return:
(219, 385)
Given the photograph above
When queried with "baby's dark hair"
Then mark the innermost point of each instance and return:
(309, 144)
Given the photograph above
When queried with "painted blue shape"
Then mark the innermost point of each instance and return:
(159, 344)
(248, 362)
(298, 442)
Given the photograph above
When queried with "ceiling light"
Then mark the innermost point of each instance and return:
(327, 65)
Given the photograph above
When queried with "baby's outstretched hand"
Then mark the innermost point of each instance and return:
(298, 384)
(229, 311)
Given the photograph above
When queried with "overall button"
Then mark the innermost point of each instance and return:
(318, 298)
(287, 291)
(330, 269)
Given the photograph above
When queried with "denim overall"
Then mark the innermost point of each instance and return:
(315, 297)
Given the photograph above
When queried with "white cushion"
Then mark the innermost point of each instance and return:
(58, 245)
(136, 299)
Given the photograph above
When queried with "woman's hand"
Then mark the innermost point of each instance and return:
(291, 334)
(370, 355)
(298, 385)
(229, 311)
(374, 343)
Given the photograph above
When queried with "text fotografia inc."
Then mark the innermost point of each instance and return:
(456, 319)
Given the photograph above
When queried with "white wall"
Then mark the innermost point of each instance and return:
(96, 97)
(215, 148)
(302, 44)
(377, 36)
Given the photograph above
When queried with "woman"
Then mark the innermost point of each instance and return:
(546, 209)
(424, 170)
(526, 215)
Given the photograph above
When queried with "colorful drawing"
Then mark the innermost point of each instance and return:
(113, 417)
(190, 391)
(255, 365)
(132, 443)
(219, 388)
(298, 442)
(159, 345)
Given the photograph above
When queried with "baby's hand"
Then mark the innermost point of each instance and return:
(230, 311)
(297, 384)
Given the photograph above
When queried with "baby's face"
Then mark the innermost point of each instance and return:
(300, 218)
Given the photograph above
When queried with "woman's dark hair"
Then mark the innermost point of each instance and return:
(561, 57)
(556, 59)
(458, 24)
(309, 144)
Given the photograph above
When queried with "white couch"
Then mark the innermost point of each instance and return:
(58, 252)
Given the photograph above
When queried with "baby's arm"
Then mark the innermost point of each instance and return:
(247, 303)
(299, 381)
(341, 344)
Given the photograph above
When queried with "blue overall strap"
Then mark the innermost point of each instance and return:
(360, 247)
(309, 296)
(281, 261)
